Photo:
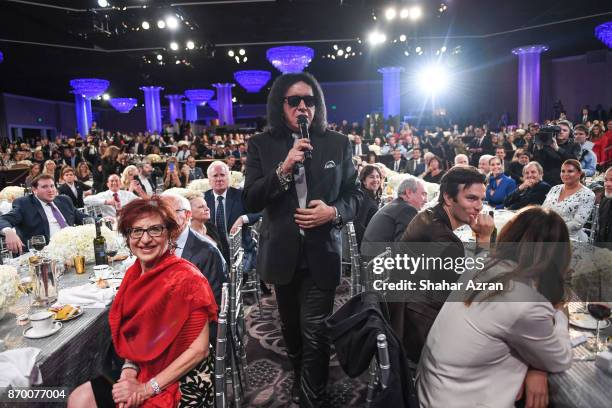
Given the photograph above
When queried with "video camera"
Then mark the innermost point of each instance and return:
(546, 135)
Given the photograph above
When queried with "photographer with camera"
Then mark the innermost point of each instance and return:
(553, 146)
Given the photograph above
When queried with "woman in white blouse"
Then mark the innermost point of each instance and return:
(484, 345)
(572, 200)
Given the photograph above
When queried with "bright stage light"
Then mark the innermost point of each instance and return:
(402, 37)
(103, 3)
(415, 13)
(433, 79)
(390, 13)
(340, 53)
(106, 97)
(160, 57)
(174, 46)
(241, 51)
(172, 22)
(348, 49)
(230, 53)
(376, 38)
(404, 13)
(145, 25)
(161, 24)
(190, 45)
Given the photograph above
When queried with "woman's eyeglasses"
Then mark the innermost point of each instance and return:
(153, 231)
(294, 100)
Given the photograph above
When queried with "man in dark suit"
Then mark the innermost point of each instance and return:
(360, 148)
(227, 209)
(398, 164)
(479, 145)
(390, 222)
(71, 158)
(416, 165)
(191, 247)
(195, 172)
(72, 188)
(137, 146)
(305, 202)
(146, 177)
(41, 213)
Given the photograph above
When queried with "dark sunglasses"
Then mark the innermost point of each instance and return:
(294, 100)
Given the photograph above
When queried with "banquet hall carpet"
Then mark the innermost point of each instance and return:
(270, 376)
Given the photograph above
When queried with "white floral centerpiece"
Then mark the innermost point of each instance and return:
(9, 282)
(176, 191)
(236, 179)
(10, 193)
(199, 185)
(375, 148)
(395, 179)
(155, 158)
(72, 241)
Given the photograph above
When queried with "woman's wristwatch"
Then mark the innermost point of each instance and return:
(154, 386)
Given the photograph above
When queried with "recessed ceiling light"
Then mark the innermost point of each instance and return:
(160, 57)
(174, 46)
(241, 51)
(190, 45)
(161, 24)
(146, 25)
(172, 22)
(103, 3)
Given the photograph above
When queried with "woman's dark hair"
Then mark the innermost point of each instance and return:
(155, 205)
(369, 156)
(537, 239)
(365, 172)
(457, 176)
(276, 115)
(575, 164)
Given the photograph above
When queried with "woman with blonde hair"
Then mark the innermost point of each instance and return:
(50, 169)
(130, 183)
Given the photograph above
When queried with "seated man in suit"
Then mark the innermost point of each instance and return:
(111, 200)
(190, 246)
(390, 222)
(146, 177)
(399, 163)
(416, 165)
(73, 188)
(195, 172)
(359, 148)
(227, 210)
(43, 212)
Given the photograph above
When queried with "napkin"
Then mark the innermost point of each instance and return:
(88, 296)
(18, 367)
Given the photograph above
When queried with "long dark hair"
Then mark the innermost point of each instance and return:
(536, 239)
(276, 115)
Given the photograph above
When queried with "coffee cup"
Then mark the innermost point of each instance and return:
(42, 322)
(102, 271)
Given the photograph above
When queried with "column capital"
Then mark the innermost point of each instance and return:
(390, 70)
(151, 88)
(530, 49)
(175, 97)
(227, 85)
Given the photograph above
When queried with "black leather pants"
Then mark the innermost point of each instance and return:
(303, 309)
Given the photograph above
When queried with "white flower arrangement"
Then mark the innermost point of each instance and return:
(9, 281)
(73, 241)
(176, 191)
(236, 179)
(199, 185)
(10, 193)
(395, 179)
(375, 148)
(155, 158)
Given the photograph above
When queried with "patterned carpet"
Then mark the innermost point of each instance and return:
(270, 375)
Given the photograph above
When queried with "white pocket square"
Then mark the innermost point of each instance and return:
(329, 165)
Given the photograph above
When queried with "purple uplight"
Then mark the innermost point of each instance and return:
(123, 105)
(252, 81)
(604, 33)
(288, 59)
(1, 57)
(199, 96)
(89, 87)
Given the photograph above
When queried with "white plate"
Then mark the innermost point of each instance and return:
(32, 335)
(110, 281)
(586, 321)
(78, 313)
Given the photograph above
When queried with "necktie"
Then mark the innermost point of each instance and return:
(220, 218)
(116, 198)
(396, 166)
(58, 216)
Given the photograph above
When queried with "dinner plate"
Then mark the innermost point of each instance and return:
(30, 334)
(586, 321)
(78, 313)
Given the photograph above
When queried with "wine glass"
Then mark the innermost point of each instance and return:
(26, 286)
(112, 247)
(89, 221)
(36, 243)
(600, 312)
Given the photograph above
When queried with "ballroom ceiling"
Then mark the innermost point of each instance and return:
(46, 46)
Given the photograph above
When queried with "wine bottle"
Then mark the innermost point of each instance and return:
(100, 246)
(494, 233)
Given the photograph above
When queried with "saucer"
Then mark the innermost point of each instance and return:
(30, 334)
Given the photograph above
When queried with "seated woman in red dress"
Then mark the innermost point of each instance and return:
(158, 320)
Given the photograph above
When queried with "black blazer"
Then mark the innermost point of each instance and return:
(364, 149)
(29, 218)
(234, 208)
(531, 196)
(403, 164)
(208, 260)
(390, 222)
(367, 209)
(80, 187)
(486, 146)
(414, 168)
(330, 177)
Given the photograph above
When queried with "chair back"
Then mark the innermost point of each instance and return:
(221, 351)
(355, 259)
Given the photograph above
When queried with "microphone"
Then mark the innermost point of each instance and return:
(302, 121)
